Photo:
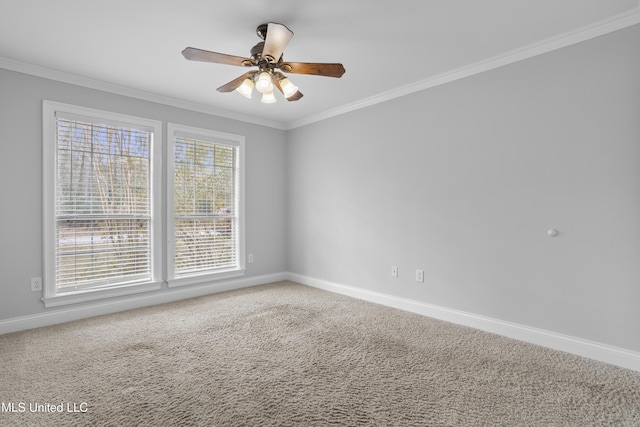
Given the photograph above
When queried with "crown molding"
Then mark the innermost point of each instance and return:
(597, 29)
(60, 76)
(588, 32)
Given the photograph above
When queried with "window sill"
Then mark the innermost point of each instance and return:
(99, 294)
(205, 278)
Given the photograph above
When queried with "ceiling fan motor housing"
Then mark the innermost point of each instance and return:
(256, 51)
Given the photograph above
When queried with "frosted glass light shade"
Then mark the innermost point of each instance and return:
(268, 97)
(288, 88)
(264, 83)
(246, 88)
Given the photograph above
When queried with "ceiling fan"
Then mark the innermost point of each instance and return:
(267, 56)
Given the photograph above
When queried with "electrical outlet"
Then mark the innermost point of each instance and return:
(419, 275)
(394, 271)
(250, 258)
(36, 284)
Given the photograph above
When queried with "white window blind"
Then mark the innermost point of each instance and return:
(103, 231)
(102, 205)
(205, 205)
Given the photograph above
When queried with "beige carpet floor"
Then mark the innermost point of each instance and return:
(288, 355)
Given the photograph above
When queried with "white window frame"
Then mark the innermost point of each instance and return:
(216, 137)
(51, 297)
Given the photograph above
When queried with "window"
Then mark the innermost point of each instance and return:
(101, 204)
(204, 205)
(102, 200)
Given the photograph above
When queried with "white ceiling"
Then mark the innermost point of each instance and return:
(387, 47)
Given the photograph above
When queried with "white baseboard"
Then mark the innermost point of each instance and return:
(67, 314)
(578, 346)
(581, 347)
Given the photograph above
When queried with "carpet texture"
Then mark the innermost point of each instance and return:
(286, 355)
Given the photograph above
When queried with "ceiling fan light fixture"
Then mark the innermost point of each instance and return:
(264, 83)
(288, 88)
(246, 88)
(267, 57)
(268, 97)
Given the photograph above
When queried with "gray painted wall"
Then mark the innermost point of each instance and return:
(463, 181)
(21, 180)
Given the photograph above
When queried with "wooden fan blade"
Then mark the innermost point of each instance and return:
(234, 84)
(328, 70)
(278, 37)
(194, 54)
(293, 97)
